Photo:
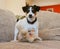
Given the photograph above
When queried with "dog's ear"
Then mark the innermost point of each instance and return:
(25, 8)
(37, 8)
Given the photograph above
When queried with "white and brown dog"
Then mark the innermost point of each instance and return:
(29, 23)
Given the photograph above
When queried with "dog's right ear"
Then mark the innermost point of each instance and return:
(25, 8)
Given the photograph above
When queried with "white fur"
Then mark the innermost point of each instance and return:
(30, 12)
(23, 24)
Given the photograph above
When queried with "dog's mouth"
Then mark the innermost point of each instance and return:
(31, 17)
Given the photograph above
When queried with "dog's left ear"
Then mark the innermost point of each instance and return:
(37, 8)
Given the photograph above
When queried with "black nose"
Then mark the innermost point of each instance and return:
(30, 16)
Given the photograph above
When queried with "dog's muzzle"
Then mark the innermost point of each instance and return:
(30, 15)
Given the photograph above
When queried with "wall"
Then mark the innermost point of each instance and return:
(2, 4)
(56, 8)
(45, 2)
(15, 6)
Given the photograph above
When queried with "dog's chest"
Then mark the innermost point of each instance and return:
(28, 26)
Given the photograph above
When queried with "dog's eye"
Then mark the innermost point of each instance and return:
(27, 11)
(29, 31)
(33, 11)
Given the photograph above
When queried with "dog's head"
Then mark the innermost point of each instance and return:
(31, 11)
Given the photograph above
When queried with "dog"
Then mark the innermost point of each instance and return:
(29, 23)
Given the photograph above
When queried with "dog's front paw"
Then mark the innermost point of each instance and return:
(38, 39)
(31, 40)
(14, 41)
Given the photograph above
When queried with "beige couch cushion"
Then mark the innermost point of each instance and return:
(49, 25)
(25, 45)
(7, 23)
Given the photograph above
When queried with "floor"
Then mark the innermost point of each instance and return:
(24, 45)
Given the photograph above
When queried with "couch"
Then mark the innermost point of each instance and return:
(49, 28)
(7, 25)
(49, 25)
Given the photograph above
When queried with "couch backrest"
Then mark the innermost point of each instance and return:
(7, 24)
(49, 24)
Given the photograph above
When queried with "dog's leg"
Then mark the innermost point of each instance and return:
(37, 36)
(15, 34)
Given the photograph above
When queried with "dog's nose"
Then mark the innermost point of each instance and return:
(30, 16)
